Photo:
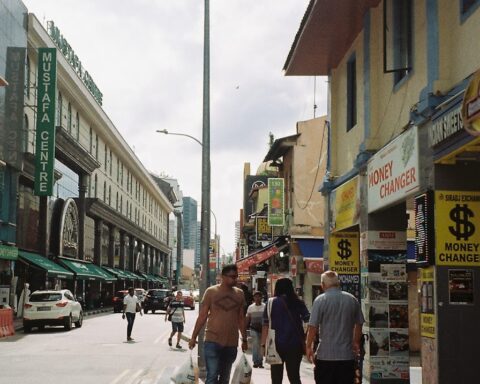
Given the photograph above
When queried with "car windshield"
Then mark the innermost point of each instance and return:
(139, 293)
(158, 293)
(42, 297)
(121, 294)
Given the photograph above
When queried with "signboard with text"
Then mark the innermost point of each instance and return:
(263, 230)
(457, 226)
(45, 136)
(347, 205)
(276, 202)
(344, 257)
(393, 172)
(424, 228)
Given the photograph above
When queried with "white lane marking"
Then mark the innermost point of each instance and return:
(159, 376)
(133, 378)
(117, 380)
(163, 336)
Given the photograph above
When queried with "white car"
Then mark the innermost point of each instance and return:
(52, 308)
(140, 293)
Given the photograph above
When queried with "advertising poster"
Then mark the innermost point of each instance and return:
(379, 342)
(389, 368)
(347, 205)
(263, 230)
(398, 291)
(457, 225)
(276, 202)
(378, 315)
(350, 284)
(377, 289)
(399, 342)
(393, 272)
(427, 307)
(398, 315)
(344, 256)
(460, 286)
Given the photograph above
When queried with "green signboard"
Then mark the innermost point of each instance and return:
(8, 253)
(45, 137)
(276, 202)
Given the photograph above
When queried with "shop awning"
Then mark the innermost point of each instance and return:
(257, 257)
(119, 273)
(133, 276)
(8, 253)
(52, 269)
(83, 270)
(107, 276)
(161, 279)
(150, 278)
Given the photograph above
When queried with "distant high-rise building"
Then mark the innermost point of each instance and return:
(197, 249)
(237, 232)
(190, 227)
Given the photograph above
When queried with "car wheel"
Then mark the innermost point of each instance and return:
(153, 310)
(68, 323)
(79, 322)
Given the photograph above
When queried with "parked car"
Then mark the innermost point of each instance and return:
(196, 294)
(140, 293)
(188, 300)
(52, 308)
(117, 300)
(155, 300)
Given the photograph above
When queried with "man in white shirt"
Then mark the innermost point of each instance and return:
(254, 322)
(131, 305)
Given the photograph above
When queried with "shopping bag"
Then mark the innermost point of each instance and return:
(243, 371)
(187, 373)
(271, 354)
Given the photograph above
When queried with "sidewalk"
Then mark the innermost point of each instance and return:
(262, 375)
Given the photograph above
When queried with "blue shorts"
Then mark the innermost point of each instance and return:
(177, 327)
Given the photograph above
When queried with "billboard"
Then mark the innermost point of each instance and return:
(276, 202)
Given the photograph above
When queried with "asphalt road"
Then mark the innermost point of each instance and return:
(96, 353)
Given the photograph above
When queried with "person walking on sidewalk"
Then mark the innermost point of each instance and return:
(176, 310)
(131, 305)
(339, 317)
(287, 314)
(254, 322)
(222, 309)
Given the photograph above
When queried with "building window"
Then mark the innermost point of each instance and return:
(25, 134)
(27, 78)
(96, 147)
(402, 38)
(118, 169)
(95, 186)
(106, 156)
(105, 191)
(121, 204)
(468, 5)
(110, 195)
(111, 161)
(90, 140)
(69, 118)
(116, 203)
(351, 93)
(59, 109)
(77, 118)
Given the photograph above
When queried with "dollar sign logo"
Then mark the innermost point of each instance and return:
(345, 251)
(463, 227)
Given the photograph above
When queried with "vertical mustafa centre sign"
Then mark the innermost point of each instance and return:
(45, 137)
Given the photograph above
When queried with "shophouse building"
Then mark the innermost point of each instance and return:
(102, 223)
(404, 124)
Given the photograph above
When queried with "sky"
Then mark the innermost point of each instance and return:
(146, 57)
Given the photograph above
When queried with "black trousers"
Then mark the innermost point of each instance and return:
(130, 321)
(334, 371)
(292, 359)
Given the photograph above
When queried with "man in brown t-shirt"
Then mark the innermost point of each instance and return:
(222, 310)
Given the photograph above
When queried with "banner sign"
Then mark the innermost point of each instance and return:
(427, 304)
(13, 140)
(457, 224)
(424, 228)
(45, 136)
(393, 172)
(212, 255)
(384, 240)
(347, 205)
(313, 264)
(263, 230)
(276, 203)
(471, 106)
(344, 256)
(245, 264)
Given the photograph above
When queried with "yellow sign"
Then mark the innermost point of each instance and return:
(347, 206)
(426, 274)
(457, 224)
(427, 325)
(471, 106)
(344, 256)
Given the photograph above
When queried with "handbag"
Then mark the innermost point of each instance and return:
(271, 355)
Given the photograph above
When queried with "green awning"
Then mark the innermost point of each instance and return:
(82, 269)
(8, 253)
(108, 277)
(132, 276)
(150, 277)
(140, 277)
(48, 265)
(121, 274)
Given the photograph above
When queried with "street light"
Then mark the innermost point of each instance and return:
(179, 134)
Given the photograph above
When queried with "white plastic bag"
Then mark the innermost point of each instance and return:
(271, 355)
(187, 373)
(243, 371)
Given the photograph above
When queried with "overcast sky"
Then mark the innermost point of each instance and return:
(146, 57)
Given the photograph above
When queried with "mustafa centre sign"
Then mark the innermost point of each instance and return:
(393, 172)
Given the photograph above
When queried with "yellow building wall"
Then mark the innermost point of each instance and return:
(459, 47)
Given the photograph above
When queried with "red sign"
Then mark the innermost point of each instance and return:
(246, 263)
(314, 265)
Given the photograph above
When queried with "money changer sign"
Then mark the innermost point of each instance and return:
(457, 223)
(45, 137)
(344, 257)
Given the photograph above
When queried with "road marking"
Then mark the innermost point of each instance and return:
(117, 380)
(163, 337)
(134, 377)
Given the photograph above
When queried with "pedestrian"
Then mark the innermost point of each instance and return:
(222, 310)
(254, 322)
(176, 310)
(339, 316)
(131, 305)
(288, 313)
(247, 294)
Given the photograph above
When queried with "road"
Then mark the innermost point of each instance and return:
(96, 353)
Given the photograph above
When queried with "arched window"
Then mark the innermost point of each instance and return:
(59, 109)
(69, 118)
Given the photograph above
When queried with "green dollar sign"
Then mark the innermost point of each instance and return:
(463, 227)
(345, 251)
